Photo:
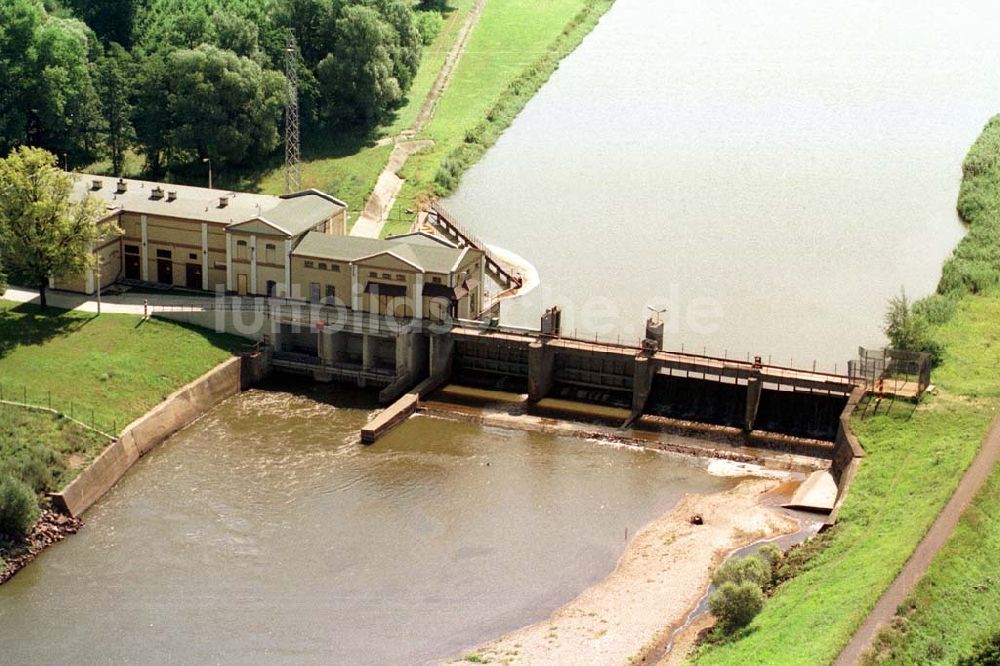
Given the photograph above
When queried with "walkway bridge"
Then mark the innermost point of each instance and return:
(446, 224)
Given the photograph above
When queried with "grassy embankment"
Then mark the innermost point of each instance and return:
(958, 602)
(514, 49)
(109, 369)
(913, 465)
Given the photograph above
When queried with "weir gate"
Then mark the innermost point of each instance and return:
(408, 360)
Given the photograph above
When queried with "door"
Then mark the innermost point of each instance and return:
(314, 292)
(165, 271)
(241, 284)
(193, 278)
(132, 270)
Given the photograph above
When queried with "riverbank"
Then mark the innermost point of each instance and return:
(660, 577)
(915, 457)
(514, 49)
(51, 528)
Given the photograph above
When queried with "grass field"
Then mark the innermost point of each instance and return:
(109, 368)
(913, 464)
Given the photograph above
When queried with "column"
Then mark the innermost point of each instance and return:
(204, 256)
(288, 268)
(418, 296)
(355, 289)
(253, 264)
(229, 261)
(541, 367)
(367, 351)
(642, 383)
(144, 266)
(754, 388)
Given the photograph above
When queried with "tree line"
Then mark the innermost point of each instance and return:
(178, 81)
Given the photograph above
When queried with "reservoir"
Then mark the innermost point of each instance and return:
(265, 531)
(771, 172)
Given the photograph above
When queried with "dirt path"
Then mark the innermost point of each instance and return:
(380, 202)
(973, 479)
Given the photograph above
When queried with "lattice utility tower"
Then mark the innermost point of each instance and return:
(293, 156)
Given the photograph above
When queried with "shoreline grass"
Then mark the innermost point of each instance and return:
(913, 464)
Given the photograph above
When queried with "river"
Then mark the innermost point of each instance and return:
(771, 172)
(265, 531)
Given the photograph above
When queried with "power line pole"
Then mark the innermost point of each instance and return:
(293, 157)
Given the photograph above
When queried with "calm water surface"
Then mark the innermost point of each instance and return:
(771, 171)
(265, 531)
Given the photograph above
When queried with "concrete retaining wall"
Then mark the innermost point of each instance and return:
(847, 453)
(149, 431)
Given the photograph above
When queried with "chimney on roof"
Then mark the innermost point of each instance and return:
(122, 186)
(157, 193)
(96, 184)
(172, 195)
(223, 201)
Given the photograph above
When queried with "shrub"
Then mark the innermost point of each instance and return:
(18, 507)
(738, 570)
(908, 329)
(429, 25)
(987, 653)
(736, 606)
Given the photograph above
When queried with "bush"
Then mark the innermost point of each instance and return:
(735, 606)
(18, 507)
(738, 570)
(429, 26)
(908, 329)
(987, 653)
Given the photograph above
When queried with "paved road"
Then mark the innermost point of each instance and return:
(981, 467)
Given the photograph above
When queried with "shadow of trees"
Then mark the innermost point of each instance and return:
(27, 324)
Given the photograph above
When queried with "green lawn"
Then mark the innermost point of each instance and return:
(913, 464)
(109, 369)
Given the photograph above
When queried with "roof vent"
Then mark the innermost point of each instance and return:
(172, 195)
(223, 201)
(96, 184)
(157, 193)
(122, 186)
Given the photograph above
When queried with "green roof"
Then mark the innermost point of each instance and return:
(434, 259)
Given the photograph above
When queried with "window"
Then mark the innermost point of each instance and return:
(399, 277)
(192, 256)
(271, 285)
(131, 249)
(331, 293)
(163, 254)
(314, 292)
(309, 264)
(321, 265)
(386, 276)
(241, 249)
(372, 274)
(269, 252)
(241, 243)
(335, 268)
(436, 280)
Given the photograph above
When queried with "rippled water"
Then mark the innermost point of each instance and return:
(265, 531)
(770, 171)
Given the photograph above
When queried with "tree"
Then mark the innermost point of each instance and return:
(986, 652)
(111, 20)
(752, 568)
(908, 330)
(18, 507)
(115, 79)
(736, 606)
(43, 233)
(358, 79)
